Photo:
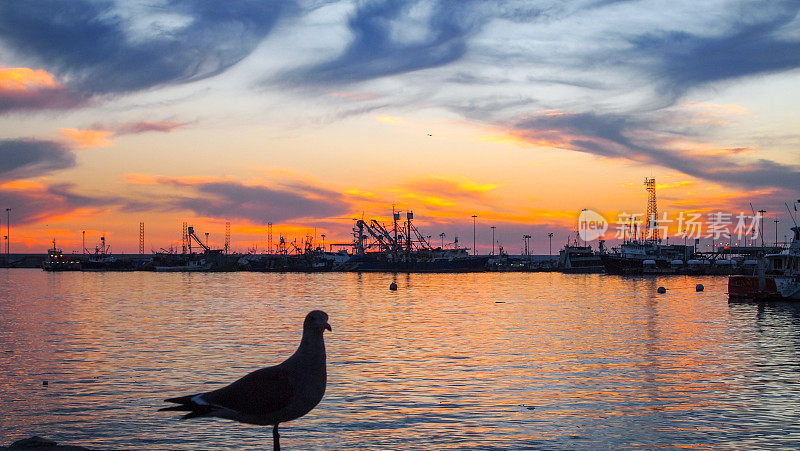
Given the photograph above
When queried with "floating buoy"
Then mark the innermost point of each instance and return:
(393, 286)
(662, 290)
(699, 287)
(44, 382)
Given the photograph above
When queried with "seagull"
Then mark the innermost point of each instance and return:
(272, 395)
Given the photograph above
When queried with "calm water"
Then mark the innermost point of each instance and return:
(506, 361)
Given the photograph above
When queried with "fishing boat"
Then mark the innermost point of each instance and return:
(402, 248)
(432, 260)
(575, 259)
(645, 257)
(775, 278)
(184, 265)
(103, 260)
(56, 261)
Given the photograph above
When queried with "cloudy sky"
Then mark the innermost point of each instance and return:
(308, 114)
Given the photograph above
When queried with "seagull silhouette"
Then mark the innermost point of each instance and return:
(272, 395)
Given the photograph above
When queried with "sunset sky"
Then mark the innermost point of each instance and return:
(308, 114)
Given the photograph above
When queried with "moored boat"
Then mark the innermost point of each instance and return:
(645, 257)
(57, 261)
(776, 277)
(576, 259)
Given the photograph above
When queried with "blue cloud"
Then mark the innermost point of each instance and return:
(378, 50)
(685, 60)
(259, 204)
(612, 136)
(37, 205)
(24, 158)
(90, 44)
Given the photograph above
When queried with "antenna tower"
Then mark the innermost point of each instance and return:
(652, 209)
(227, 236)
(269, 237)
(185, 238)
(141, 238)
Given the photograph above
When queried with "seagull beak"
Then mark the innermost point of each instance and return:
(328, 326)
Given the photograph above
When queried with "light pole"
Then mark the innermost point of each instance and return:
(8, 232)
(493, 227)
(441, 235)
(550, 236)
(474, 249)
(761, 232)
(776, 231)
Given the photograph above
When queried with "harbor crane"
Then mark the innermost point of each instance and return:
(193, 236)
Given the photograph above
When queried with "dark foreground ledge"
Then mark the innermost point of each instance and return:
(38, 443)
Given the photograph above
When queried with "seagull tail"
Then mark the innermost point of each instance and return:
(187, 404)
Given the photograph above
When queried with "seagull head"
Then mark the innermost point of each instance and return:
(316, 320)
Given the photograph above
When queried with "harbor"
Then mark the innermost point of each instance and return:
(643, 249)
(399, 225)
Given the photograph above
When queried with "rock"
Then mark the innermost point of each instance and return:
(39, 443)
(33, 442)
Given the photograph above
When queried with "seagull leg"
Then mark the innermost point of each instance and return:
(276, 438)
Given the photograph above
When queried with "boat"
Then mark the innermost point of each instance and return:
(108, 262)
(102, 260)
(579, 259)
(56, 261)
(186, 265)
(775, 278)
(645, 257)
(402, 248)
(432, 260)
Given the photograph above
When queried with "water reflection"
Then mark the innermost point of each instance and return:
(509, 361)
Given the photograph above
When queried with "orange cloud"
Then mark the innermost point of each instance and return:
(22, 88)
(25, 79)
(715, 109)
(538, 138)
(22, 185)
(449, 187)
(140, 179)
(391, 120)
(88, 138)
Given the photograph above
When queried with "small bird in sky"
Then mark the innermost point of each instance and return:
(272, 395)
(429, 134)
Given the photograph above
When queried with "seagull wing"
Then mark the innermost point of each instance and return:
(259, 393)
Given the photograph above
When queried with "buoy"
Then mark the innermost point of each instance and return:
(393, 286)
(662, 290)
(699, 287)
(44, 382)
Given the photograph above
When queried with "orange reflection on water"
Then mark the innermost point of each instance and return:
(446, 361)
